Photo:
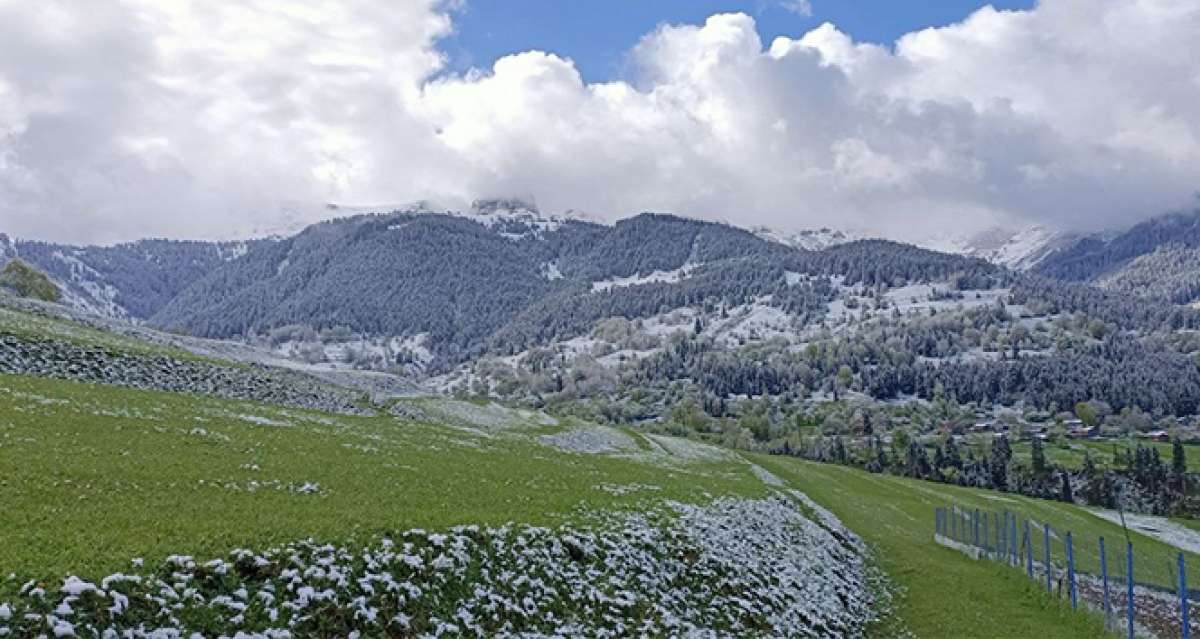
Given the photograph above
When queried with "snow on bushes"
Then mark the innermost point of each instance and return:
(733, 568)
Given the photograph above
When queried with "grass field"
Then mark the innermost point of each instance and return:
(1071, 453)
(896, 515)
(94, 476)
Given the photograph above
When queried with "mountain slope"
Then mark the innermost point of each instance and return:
(1017, 248)
(1020, 248)
(126, 281)
(1169, 273)
(466, 284)
(1155, 258)
(395, 274)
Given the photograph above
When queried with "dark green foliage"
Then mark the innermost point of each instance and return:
(885, 363)
(998, 461)
(405, 274)
(1038, 454)
(475, 289)
(1131, 313)
(145, 275)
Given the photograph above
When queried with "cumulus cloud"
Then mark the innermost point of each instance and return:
(182, 118)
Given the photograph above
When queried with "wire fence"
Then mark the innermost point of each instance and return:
(1142, 592)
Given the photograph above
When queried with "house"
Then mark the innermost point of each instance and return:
(981, 427)
(1083, 432)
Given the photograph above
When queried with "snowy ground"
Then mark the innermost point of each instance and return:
(672, 276)
(486, 417)
(691, 450)
(591, 439)
(732, 568)
(1160, 528)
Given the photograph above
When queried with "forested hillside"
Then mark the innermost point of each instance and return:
(1157, 258)
(504, 299)
(128, 281)
(695, 328)
(470, 286)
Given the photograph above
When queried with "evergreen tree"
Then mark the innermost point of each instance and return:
(998, 462)
(1039, 456)
(1067, 495)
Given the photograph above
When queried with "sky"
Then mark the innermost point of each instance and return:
(598, 35)
(122, 119)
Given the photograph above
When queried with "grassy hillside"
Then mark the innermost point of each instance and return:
(27, 281)
(896, 515)
(120, 503)
(1070, 454)
(96, 475)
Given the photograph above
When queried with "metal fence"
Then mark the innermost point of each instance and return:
(1136, 592)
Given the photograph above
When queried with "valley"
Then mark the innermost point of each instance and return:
(640, 408)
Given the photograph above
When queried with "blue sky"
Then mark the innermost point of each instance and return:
(598, 34)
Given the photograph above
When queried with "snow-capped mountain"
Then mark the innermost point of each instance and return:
(512, 217)
(1020, 248)
(809, 239)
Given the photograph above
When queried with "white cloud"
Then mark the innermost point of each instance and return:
(799, 7)
(184, 118)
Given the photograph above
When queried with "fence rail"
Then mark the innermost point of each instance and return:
(1143, 607)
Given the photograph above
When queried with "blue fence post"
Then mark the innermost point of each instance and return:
(975, 526)
(953, 524)
(1002, 536)
(1046, 545)
(1028, 551)
(1008, 536)
(1183, 599)
(1071, 571)
(1129, 585)
(987, 544)
(1012, 550)
(1104, 576)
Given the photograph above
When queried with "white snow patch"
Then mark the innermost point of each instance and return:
(809, 239)
(753, 322)
(550, 271)
(765, 476)
(1160, 528)
(592, 440)
(691, 450)
(669, 277)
